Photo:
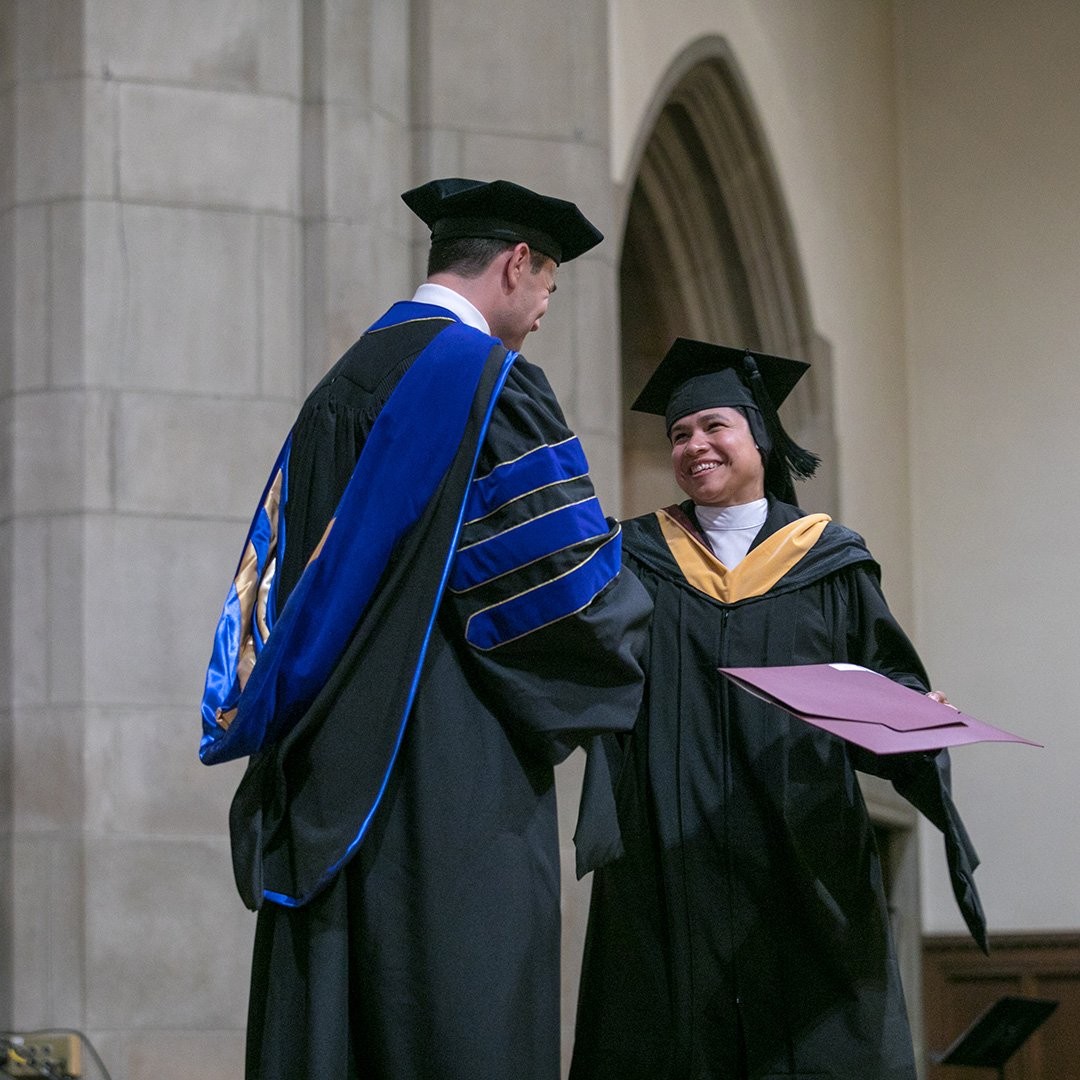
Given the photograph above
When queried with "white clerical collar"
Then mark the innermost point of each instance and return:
(744, 516)
(441, 296)
(731, 529)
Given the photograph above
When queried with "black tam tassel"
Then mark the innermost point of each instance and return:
(786, 458)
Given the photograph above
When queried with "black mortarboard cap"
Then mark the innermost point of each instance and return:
(500, 210)
(696, 375)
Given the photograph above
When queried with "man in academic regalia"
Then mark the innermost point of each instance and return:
(428, 615)
(745, 932)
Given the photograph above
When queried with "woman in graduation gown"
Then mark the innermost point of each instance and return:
(744, 933)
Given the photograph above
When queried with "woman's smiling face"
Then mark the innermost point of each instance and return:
(715, 458)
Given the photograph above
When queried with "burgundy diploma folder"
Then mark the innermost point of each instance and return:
(866, 708)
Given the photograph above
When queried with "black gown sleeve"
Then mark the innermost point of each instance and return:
(552, 628)
(877, 641)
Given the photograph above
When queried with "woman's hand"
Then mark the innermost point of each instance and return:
(937, 695)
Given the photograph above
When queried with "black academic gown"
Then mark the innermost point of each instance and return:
(435, 952)
(745, 931)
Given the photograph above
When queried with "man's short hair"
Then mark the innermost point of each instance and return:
(470, 256)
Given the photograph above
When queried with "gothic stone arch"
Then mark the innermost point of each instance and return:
(708, 252)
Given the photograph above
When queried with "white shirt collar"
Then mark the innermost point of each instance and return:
(744, 516)
(731, 529)
(454, 302)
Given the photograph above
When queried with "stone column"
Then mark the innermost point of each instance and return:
(194, 220)
(198, 212)
(50, 432)
(185, 266)
(355, 165)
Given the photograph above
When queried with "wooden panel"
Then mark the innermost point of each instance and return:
(959, 983)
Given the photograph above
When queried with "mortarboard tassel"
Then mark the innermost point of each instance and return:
(787, 454)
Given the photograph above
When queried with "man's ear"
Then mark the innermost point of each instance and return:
(518, 261)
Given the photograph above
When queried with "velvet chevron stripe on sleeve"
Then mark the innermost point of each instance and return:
(535, 547)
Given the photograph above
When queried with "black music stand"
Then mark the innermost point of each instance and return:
(997, 1034)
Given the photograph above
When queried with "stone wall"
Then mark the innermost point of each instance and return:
(198, 212)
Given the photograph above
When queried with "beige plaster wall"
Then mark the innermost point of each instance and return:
(991, 160)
